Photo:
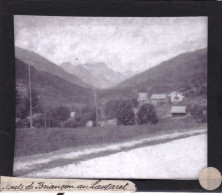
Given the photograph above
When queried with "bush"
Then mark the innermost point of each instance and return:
(56, 116)
(199, 112)
(147, 114)
(70, 123)
(39, 121)
(23, 104)
(23, 123)
(81, 117)
(112, 106)
(125, 114)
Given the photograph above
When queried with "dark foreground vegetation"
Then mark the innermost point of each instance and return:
(44, 140)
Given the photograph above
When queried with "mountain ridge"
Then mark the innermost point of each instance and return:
(172, 75)
(53, 90)
(43, 64)
(164, 67)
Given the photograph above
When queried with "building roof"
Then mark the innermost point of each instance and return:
(174, 93)
(143, 96)
(158, 96)
(178, 109)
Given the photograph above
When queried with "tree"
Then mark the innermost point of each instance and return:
(125, 114)
(81, 117)
(112, 107)
(20, 106)
(147, 114)
(36, 106)
(62, 113)
(199, 112)
(23, 104)
(86, 113)
(56, 116)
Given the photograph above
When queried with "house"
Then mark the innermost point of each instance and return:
(175, 97)
(178, 111)
(143, 98)
(158, 99)
(89, 123)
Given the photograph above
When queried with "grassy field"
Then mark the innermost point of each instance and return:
(40, 140)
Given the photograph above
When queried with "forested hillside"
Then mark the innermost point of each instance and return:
(52, 90)
(42, 64)
(185, 73)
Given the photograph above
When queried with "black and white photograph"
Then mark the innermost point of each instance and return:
(110, 97)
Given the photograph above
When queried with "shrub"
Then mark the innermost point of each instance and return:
(125, 114)
(199, 112)
(39, 122)
(56, 116)
(23, 123)
(112, 106)
(147, 114)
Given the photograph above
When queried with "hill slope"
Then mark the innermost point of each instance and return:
(172, 75)
(172, 71)
(53, 90)
(42, 64)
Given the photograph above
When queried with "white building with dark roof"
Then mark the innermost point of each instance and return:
(143, 98)
(176, 97)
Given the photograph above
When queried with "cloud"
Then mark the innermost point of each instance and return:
(134, 44)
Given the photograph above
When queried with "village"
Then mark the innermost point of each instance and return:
(167, 106)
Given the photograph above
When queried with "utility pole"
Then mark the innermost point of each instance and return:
(30, 98)
(135, 115)
(96, 106)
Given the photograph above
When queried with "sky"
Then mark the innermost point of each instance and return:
(123, 43)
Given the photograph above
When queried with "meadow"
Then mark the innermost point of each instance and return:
(45, 140)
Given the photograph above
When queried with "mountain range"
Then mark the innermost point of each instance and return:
(69, 85)
(42, 64)
(98, 75)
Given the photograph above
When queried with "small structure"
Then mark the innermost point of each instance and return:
(111, 122)
(158, 99)
(101, 123)
(89, 123)
(72, 115)
(34, 116)
(175, 97)
(143, 98)
(178, 111)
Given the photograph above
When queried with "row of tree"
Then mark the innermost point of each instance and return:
(128, 112)
(125, 111)
(50, 116)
